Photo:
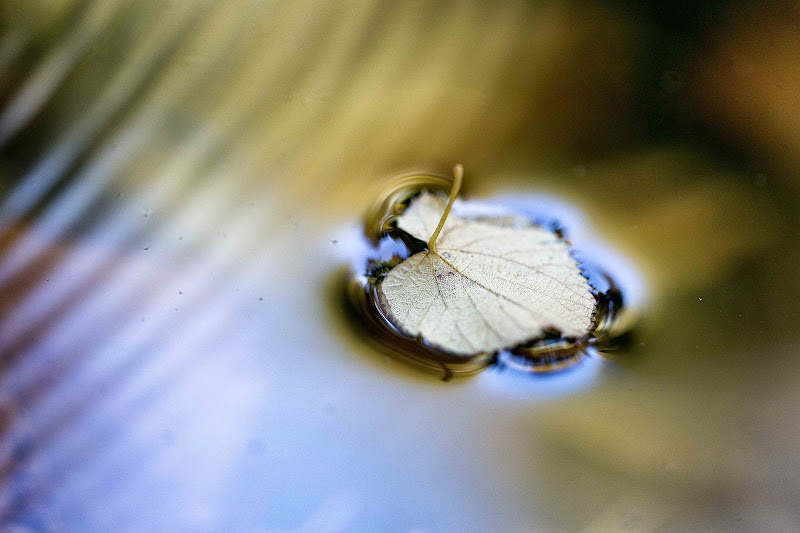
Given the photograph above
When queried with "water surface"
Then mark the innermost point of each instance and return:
(175, 180)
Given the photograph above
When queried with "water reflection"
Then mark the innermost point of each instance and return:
(173, 176)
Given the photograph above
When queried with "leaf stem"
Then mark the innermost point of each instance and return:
(458, 175)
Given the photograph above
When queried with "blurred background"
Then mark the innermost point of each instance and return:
(178, 183)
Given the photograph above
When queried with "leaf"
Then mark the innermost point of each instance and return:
(481, 287)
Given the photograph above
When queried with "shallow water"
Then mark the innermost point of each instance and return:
(178, 184)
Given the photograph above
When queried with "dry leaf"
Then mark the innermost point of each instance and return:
(481, 287)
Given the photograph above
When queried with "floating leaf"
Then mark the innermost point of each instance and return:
(481, 287)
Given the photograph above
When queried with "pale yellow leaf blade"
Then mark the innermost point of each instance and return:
(487, 287)
(422, 216)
